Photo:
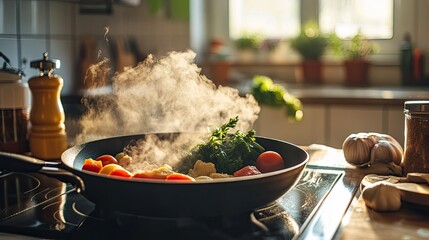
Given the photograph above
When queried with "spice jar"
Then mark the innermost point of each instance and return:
(48, 138)
(416, 155)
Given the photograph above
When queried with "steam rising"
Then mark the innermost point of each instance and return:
(168, 94)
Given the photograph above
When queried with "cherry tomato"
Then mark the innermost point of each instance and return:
(92, 165)
(269, 161)
(107, 159)
(180, 177)
(247, 171)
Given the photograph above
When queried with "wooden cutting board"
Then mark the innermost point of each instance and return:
(410, 222)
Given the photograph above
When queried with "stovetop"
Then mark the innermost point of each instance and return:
(42, 207)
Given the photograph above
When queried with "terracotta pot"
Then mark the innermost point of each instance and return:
(219, 72)
(356, 72)
(312, 71)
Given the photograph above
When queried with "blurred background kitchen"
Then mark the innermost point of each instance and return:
(83, 32)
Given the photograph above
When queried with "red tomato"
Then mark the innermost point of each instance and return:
(269, 161)
(247, 171)
(107, 159)
(92, 165)
(179, 177)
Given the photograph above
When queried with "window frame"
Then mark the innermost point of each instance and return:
(405, 20)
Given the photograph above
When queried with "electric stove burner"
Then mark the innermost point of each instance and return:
(43, 207)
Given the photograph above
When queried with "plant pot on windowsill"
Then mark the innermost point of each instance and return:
(247, 46)
(355, 51)
(311, 46)
(312, 71)
(219, 71)
(356, 72)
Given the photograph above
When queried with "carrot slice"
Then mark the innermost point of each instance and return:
(92, 165)
(179, 177)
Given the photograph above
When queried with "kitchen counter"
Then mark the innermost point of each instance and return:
(336, 94)
(361, 222)
(346, 216)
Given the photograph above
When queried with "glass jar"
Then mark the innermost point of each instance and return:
(416, 153)
(14, 112)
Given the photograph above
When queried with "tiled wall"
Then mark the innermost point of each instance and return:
(30, 27)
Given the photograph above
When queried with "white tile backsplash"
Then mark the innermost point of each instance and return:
(33, 17)
(33, 49)
(61, 18)
(57, 27)
(63, 50)
(9, 47)
(7, 17)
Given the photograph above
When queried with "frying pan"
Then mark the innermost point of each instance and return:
(159, 198)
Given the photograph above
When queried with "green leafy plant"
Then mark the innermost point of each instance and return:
(309, 43)
(229, 152)
(250, 41)
(358, 47)
(267, 92)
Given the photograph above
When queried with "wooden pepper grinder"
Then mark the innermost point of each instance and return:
(48, 138)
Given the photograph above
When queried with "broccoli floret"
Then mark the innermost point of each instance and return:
(229, 152)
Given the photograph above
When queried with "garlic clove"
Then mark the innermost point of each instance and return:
(383, 152)
(357, 149)
(395, 144)
(382, 197)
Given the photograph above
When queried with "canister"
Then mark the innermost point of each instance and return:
(14, 110)
(416, 145)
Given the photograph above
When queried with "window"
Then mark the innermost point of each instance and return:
(269, 18)
(374, 19)
(281, 18)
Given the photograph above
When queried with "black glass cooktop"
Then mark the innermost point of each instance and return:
(42, 207)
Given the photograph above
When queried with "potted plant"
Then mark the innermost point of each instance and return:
(219, 63)
(311, 46)
(355, 52)
(247, 45)
(270, 48)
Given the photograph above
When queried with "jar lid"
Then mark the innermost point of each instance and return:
(416, 106)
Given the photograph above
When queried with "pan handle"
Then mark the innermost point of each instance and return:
(21, 163)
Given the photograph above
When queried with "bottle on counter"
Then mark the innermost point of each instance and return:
(406, 60)
(418, 66)
(14, 109)
(416, 150)
(48, 138)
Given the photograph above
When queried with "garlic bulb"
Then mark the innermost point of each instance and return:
(357, 149)
(382, 196)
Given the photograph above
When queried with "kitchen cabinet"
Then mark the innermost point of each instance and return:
(330, 124)
(344, 120)
(273, 122)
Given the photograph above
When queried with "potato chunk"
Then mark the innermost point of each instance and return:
(202, 169)
(123, 159)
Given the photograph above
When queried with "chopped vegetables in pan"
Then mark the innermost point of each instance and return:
(222, 155)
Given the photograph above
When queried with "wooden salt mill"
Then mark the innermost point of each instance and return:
(48, 138)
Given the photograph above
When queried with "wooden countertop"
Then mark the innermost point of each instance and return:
(361, 222)
(407, 223)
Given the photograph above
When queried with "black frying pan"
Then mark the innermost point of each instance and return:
(159, 198)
